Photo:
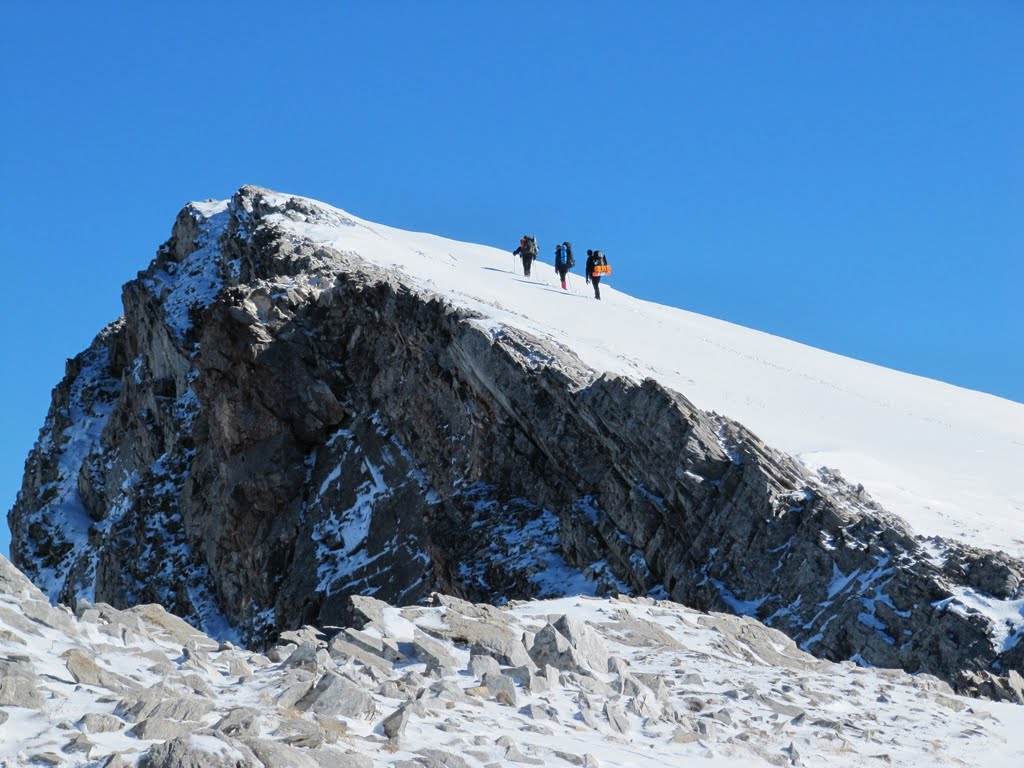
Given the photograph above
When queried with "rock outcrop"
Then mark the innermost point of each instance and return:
(277, 424)
(637, 681)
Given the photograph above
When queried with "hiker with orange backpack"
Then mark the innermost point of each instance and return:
(597, 267)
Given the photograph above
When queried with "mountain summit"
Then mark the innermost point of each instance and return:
(299, 406)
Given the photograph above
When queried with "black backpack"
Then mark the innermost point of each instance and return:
(599, 259)
(531, 246)
(569, 260)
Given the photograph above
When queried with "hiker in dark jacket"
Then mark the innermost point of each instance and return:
(528, 251)
(595, 259)
(563, 260)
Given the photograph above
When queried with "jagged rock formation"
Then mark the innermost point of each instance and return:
(569, 682)
(276, 425)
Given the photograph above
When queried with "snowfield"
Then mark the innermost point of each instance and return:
(946, 459)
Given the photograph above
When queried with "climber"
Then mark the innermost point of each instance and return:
(528, 251)
(563, 260)
(597, 265)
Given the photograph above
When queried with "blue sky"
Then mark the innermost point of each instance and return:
(849, 175)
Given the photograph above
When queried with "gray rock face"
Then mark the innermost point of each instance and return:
(161, 704)
(275, 426)
(242, 722)
(19, 688)
(334, 695)
(588, 646)
(84, 670)
(161, 729)
(272, 754)
(552, 648)
(394, 725)
(98, 723)
(200, 750)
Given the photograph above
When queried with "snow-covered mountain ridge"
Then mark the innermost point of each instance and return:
(299, 406)
(946, 459)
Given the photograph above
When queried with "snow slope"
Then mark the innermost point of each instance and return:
(944, 458)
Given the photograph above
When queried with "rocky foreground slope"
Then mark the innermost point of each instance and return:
(571, 682)
(278, 423)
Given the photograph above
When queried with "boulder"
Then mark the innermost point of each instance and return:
(79, 743)
(58, 617)
(591, 652)
(341, 648)
(100, 723)
(501, 687)
(168, 626)
(432, 652)
(300, 733)
(200, 750)
(334, 695)
(306, 635)
(308, 656)
(295, 685)
(552, 648)
(393, 726)
(86, 671)
(617, 718)
(335, 759)
(241, 723)
(479, 665)
(368, 610)
(443, 759)
(162, 729)
(273, 754)
(1015, 685)
(20, 692)
(239, 668)
(162, 703)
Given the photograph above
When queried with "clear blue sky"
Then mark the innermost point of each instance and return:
(846, 174)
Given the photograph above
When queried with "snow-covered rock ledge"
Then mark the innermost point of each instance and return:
(575, 682)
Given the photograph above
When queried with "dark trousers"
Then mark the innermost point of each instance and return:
(562, 272)
(527, 261)
(596, 280)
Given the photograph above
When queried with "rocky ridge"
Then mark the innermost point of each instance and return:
(574, 682)
(278, 424)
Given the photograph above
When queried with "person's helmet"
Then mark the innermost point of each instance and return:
(589, 252)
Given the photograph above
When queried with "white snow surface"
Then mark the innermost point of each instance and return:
(946, 459)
